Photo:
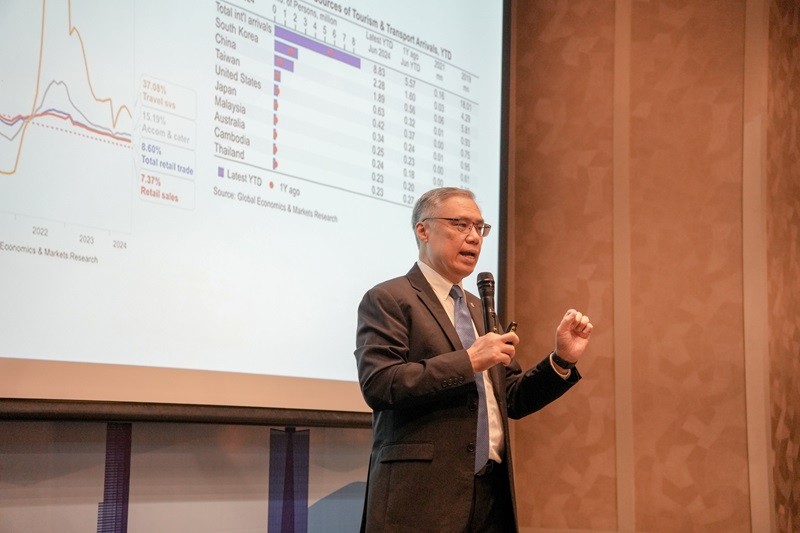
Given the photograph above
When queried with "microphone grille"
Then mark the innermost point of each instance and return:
(485, 278)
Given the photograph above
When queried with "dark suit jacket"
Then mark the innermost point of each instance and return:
(419, 382)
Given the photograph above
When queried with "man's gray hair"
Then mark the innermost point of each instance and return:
(428, 203)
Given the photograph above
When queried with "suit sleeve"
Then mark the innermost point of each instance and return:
(402, 359)
(528, 392)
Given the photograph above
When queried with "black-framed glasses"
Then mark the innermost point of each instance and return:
(465, 226)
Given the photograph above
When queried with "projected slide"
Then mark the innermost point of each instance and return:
(214, 184)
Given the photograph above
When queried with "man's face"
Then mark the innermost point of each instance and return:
(443, 247)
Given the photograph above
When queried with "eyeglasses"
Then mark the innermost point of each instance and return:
(465, 226)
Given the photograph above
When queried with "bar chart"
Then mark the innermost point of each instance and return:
(353, 106)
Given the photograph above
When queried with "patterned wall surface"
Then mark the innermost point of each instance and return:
(687, 302)
(783, 235)
(565, 454)
(689, 417)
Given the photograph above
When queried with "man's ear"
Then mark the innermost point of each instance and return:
(421, 230)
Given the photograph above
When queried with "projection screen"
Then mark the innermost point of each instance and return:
(194, 196)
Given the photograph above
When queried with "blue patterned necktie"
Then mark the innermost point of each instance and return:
(466, 332)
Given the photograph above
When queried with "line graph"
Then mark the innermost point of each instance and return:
(81, 121)
(58, 113)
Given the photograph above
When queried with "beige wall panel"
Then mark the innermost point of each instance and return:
(783, 237)
(686, 285)
(564, 455)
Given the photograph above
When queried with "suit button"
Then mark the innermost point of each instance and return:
(473, 405)
(471, 447)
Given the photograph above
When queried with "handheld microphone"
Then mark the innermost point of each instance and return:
(486, 291)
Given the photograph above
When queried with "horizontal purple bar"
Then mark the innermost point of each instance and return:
(316, 46)
(285, 64)
(283, 48)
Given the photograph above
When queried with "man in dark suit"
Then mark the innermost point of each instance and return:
(429, 382)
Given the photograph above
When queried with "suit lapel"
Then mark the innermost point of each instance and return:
(475, 309)
(428, 297)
